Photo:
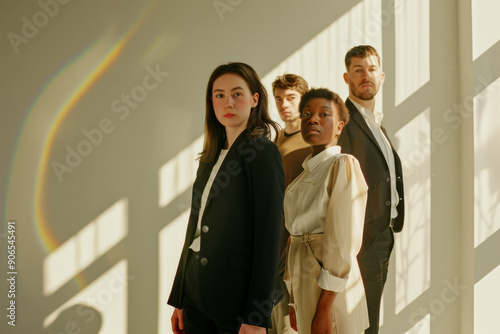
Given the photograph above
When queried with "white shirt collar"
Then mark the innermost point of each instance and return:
(311, 162)
(376, 116)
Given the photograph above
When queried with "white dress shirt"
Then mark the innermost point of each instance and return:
(329, 197)
(374, 122)
(195, 245)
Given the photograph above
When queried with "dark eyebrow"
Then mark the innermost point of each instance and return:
(221, 90)
(369, 66)
(327, 107)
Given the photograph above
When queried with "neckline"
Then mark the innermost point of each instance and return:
(290, 134)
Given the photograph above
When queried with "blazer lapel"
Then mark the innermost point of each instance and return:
(360, 121)
(199, 186)
(387, 136)
(232, 154)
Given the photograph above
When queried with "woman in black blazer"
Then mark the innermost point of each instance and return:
(226, 281)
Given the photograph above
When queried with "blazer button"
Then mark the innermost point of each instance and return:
(388, 203)
(387, 179)
(205, 229)
(204, 261)
(196, 256)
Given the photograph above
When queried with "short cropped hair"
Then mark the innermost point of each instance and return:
(325, 93)
(291, 81)
(360, 51)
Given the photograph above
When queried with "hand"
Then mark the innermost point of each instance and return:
(249, 329)
(177, 322)
(293, 319)
(322, 322)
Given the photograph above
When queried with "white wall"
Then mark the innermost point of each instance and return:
(102, 228)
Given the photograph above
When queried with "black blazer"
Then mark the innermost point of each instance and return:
(357, 139)
(240, 233)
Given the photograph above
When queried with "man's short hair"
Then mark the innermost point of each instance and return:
(325, 93)
(360, 51)
(291, 81)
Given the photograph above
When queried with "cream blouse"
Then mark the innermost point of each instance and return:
(329, 197)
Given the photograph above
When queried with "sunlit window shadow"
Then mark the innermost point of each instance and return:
(486, 205)
(171, 239)
(178, 174)
(423, 326)
(413, 50)
(412, 248)
(107, 298)
(486, 25)
(78, 318)
(81, 250)
(486, 164)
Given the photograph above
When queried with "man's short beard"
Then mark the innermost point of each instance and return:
(366, 96)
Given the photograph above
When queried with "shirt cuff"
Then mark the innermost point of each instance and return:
(329, 282)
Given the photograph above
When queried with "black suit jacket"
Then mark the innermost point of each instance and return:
(240, 233)
(357, 139)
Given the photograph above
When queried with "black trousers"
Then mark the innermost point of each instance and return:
(196, 319)
(373, 264)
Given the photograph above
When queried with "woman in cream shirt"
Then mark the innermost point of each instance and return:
(324, 213)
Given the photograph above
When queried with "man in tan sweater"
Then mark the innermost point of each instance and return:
(287, 90)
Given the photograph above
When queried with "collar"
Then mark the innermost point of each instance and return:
(311, 162)
(238, 139)
(376, 116)
(288, 135)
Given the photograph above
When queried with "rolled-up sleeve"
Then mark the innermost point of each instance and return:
(343, 233)
(330, 282)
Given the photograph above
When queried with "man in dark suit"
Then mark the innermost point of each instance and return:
(366, 139)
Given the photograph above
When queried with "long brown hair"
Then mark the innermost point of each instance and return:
(259, 123)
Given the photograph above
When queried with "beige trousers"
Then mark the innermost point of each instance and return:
(281, 319)
(304, 265)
